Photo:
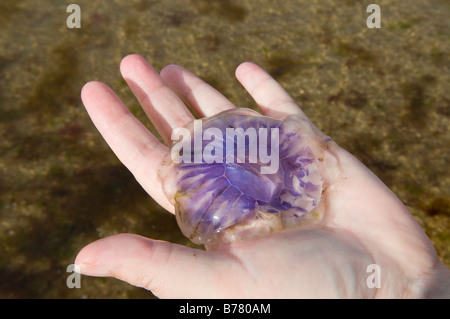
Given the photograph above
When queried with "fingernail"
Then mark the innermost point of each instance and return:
(91, 270)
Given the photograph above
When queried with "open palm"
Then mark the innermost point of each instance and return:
(364, 222)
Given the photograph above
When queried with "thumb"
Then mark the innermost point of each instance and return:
(168, 270)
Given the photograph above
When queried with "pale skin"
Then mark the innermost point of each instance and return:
(364, 222)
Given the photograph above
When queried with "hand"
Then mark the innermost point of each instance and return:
(364, 222)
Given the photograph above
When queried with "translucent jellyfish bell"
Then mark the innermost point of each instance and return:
(240, 175)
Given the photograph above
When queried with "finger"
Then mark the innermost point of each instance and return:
(273, 100)
(134, 145)
(163, 107)
(203, 98)
(168, 270)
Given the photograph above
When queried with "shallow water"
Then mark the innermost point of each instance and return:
(380, 93)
